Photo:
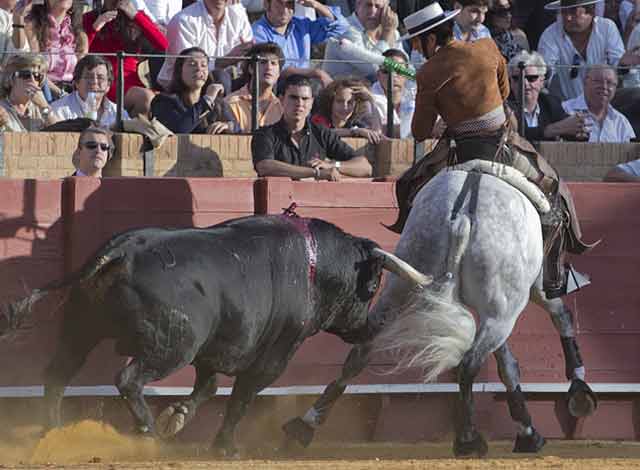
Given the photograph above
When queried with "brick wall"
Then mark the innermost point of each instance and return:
(48, 155)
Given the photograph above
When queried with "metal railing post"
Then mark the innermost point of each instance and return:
(523, 121)
(255, 92)
(390, 103)
(120, 88)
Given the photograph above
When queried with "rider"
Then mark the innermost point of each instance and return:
(467, 84)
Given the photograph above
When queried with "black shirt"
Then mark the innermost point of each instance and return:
(274, 143)
(179, 118)
(550, 111)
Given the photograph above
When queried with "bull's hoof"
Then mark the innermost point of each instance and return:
(299, 431)
(531, 443)
(582, 401)
(224, 448)
(476, 447)
(172, 420)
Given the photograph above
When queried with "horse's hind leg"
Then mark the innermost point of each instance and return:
(582, 401)
(468, 440)
(528, 439)
(303, 429)
(175, 417)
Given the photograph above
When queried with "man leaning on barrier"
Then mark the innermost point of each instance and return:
(467, 84)
(298, 148)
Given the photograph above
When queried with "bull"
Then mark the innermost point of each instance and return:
(237, 298)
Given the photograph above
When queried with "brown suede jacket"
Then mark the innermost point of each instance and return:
(461, 81)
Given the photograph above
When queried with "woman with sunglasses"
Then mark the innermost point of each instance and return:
(510, 40)
(55, 29)
(23, 107)
(194, 104)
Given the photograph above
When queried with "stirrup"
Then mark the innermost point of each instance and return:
(573, 281)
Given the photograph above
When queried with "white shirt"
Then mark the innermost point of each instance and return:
(193, 27)
(72, 106)
(532, 118)
(632, 77)
(626, 8)
(614, 128)
(359, 37)
(407, 108)
(605, 47)
(632, 167)
(6, 32)
(160, 11)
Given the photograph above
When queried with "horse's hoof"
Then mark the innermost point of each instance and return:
(299, 431)
(173, 420)
(530, 443)
(224, 449)
(477, 446)
(582, 401)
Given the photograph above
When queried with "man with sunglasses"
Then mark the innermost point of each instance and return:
(580, 38)
(545, 119)
(94, 150)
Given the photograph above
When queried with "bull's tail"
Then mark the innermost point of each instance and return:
(433, 331)
(17, 315)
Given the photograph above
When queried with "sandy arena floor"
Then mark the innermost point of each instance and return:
(94, 446)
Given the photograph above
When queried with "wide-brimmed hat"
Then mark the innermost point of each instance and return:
(562, 4)
(425, 19)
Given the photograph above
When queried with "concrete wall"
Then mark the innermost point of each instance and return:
(48, 155)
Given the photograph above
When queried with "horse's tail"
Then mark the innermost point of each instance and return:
(433, 331)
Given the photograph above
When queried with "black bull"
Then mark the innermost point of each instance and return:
(237, 298)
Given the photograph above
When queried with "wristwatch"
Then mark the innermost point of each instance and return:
(45, 112)
(337, 165)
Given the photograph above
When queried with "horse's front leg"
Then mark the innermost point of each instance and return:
(582, 400)
(302, 429)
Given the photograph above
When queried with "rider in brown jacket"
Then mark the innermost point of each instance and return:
(467, 84)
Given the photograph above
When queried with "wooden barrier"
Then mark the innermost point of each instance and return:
(92, 210)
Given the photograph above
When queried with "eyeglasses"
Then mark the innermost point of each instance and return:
(91, 145)
(97, 78)
(28, 75)
(575, 66)
(529, 78)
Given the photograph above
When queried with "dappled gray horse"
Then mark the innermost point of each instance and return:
(480, 240)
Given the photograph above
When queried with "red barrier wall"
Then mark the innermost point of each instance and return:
(93, 210)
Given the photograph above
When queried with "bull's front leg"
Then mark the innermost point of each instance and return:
(582, 401)
(302, 429)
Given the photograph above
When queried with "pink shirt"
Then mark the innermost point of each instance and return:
(61, 50)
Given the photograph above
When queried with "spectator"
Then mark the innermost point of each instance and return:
(404, 99)
(187, 110)
(118, 26)
(296, 36)
(159, 11)
(626, 12)
(604, 123)
(373, 27)
(510, 40)
(95, 147)
(628, 172)
(269, 106)
(23, 107)
(52, 28)
(298, 148)
(627, 99)
(533, 18)
(545, 119)
(580, 38)
(92, 79)
(9, 37)
(467, 26)
(346, 106)
(222, 31)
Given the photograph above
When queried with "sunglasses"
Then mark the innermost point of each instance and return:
(91, 145)
(529, 78)
(575, 67)
(501, 11)
(28, 75)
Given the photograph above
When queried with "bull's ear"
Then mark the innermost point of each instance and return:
(369, 275)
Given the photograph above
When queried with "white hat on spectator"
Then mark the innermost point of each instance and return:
(425, 19)
(562, 4)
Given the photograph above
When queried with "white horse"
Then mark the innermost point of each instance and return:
(480, 240)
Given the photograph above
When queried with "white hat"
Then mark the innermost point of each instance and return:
(562, 4)
(425, 19)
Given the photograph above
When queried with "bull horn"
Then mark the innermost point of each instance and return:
(402, 268)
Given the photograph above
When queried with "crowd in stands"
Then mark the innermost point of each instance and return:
(188, 67)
